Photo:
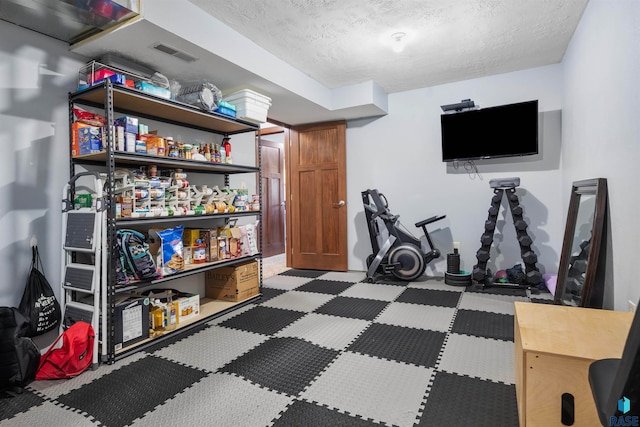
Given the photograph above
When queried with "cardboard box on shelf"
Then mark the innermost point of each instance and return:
(234, 283)
(131, 319)
(188, 306)
(210, 238)
(85, 139)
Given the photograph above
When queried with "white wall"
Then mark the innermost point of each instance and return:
(400, 155)
(37, 72)
(601, 128)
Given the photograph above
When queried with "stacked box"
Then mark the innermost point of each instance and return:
(85, 139)
(234, 283)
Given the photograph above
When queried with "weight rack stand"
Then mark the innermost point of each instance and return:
(479, 273)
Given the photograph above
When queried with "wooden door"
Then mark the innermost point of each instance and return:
(317, 230)
(273, 197)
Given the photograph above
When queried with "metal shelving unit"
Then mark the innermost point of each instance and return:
(124, 100)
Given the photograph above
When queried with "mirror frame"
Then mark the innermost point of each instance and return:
(593, 286)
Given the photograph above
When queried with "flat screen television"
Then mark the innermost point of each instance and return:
(501, 131)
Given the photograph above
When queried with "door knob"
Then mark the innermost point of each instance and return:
(339, 204)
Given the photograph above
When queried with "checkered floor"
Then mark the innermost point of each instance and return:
(320, 349)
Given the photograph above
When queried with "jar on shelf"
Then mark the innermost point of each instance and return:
(255, 202)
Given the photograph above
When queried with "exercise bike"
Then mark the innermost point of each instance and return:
(400, 253)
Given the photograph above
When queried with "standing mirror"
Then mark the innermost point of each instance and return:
(580, 275)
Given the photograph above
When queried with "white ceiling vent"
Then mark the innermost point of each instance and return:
(175, 52)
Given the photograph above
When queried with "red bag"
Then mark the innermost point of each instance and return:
(73, 358)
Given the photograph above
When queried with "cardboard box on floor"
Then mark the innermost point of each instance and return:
(234, 283)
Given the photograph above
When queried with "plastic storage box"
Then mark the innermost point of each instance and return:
(250, 106)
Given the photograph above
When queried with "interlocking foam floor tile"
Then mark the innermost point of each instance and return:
(219, 400)
(462, 401)
(263, 320)
(332, 287)
(376, 291)
(484, 324)
(381, 390)
(299, 301)
(327, 331)
(408, 345)
(9, 406)
(489, 302)
(268, 293)
(430, 297)
(303, 273)
(285, 283)
(436, 284)
(356, 308)
(498, 290)
(417, 316)
(344, 276)
(48, 414)
(109, 399)
(302, 413)
(483, 358)
(54, 388)
(287, 365)
(212, 348)
(175, 337)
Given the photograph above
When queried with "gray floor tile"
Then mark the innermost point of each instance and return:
(324, 330)
(417, 316)
(381, 390)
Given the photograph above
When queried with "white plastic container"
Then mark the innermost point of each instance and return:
(250, 106)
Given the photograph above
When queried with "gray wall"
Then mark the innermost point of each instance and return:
(37, 74)
(400, 155)
(601, 129)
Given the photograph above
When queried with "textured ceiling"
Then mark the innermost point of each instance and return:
(339, 42)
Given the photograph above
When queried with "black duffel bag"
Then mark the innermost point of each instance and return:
(19, 356)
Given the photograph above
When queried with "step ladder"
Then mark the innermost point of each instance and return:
(83, 293)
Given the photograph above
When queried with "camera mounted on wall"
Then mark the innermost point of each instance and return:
(464, 105)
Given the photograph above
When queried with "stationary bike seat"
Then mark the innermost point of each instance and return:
(429, 220)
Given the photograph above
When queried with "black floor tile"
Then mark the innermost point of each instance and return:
(484, 324)
(409, 345)
(302, 413)
(126, 394)
(498, 290)
(287, 365)
(430, 297)
(303, 273)
(462, 401)
(175, 337)
(268, 293)
(320, 286)
(11, 406)
(355, 308)
(263, 320)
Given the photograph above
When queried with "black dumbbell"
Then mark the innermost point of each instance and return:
(478, 274)
(517, 211)
(529, 257)
(495, 200)
(489, 225)
(493, 210)
(524, 240)
(534, 277)
(486, 239)
(580, 265)
(520, 225)
(482, 255)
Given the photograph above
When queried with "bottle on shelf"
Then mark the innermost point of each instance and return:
(171, 312)
(207, 152)
(157, 316)
(199, 252)
(227, 150)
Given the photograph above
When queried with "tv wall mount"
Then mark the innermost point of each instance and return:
(479, 273)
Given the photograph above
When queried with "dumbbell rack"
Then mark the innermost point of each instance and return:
(479, 273)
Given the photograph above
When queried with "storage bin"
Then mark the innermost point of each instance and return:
(250, 106)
